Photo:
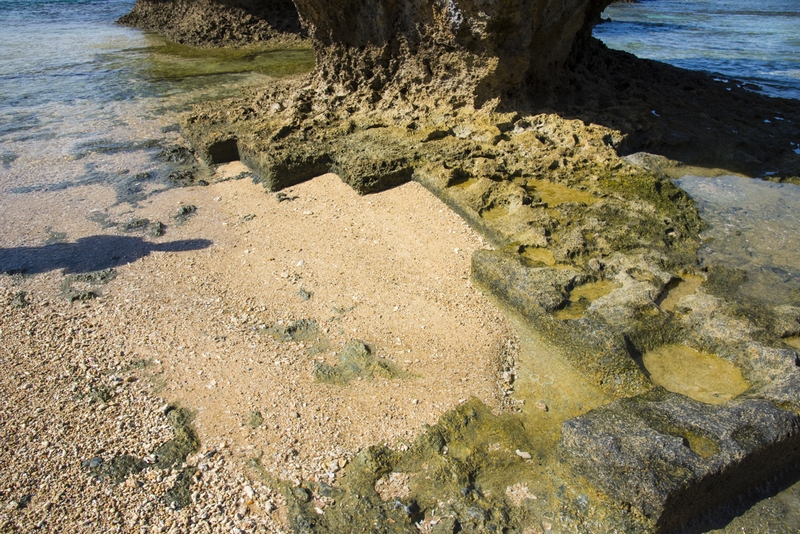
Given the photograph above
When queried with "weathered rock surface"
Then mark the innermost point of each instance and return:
(673, 458)
(601, 354)
(512, 115)
(463, 50)
(219, 22)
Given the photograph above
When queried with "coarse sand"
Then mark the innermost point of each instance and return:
(209, 330)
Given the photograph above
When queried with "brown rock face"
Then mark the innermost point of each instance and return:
(218, 22)
(463, 48)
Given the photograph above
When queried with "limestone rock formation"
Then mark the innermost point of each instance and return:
(463, 49)
(512, 115)
(218, 22)
(673, 458)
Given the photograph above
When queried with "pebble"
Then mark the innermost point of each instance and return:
(136, 424)
(523, 454)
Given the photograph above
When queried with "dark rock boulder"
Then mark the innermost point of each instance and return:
(673, 458)
(218, 22)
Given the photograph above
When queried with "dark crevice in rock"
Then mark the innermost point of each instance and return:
(224, 151)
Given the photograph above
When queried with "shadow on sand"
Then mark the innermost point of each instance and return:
(88, 254)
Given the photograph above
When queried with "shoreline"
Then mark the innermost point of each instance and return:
(238, 326)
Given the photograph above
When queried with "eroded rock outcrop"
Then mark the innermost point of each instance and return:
(517, 119)
(674, 458)
(219, 22)
(465, 51)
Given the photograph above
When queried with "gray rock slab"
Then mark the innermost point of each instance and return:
(674, 458)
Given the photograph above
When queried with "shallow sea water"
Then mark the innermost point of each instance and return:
(753, 42)
(85, 105)
(753, 225)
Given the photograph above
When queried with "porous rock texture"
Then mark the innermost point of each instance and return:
(673, 457)
(517, 119)
(219, 22)
(471, 51)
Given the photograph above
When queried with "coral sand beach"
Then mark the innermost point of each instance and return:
(424, 266)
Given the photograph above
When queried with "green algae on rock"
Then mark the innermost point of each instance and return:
(303, 330)
(356, 361)
(470, 472)
(172, 61)
(170, 454)
(517, 120)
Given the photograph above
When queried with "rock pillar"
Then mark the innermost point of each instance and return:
(480, 49)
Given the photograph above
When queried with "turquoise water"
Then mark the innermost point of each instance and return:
(71, 51)
(754, 42)
(63, 51)
(752, 224)
(86, 105)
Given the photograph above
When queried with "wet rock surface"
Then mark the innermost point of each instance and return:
(674, 458)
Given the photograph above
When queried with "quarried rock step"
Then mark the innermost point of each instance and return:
(601, 354)
(674, 458)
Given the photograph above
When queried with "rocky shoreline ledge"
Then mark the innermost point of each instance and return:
(220, 23)
(559, 153)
